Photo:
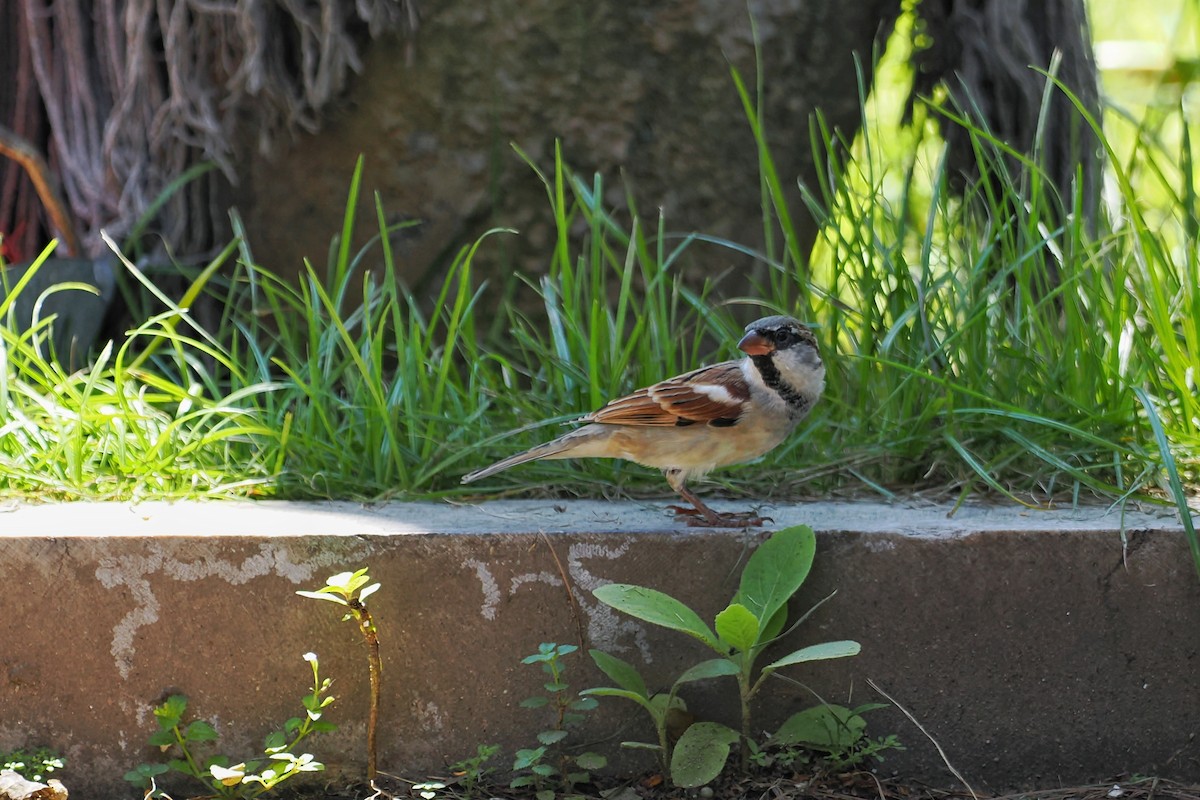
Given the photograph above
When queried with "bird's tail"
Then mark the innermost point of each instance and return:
(556, 448)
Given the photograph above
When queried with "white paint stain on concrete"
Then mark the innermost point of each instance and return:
(606, 628)
(429, 716)
(491, 589)
(546, 577)
(134, 571)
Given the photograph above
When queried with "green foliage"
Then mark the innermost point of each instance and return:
(245, 779)
(549, 769)
(987, 338)
(753, 620)
(470, 772)
(837, 733)
(351, 590)
(701, 753)
(34, 765)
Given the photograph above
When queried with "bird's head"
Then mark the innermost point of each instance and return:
(779, 334)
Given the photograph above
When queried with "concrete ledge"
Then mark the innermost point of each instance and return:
(1038, 647)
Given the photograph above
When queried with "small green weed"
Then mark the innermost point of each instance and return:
(245, 779)
(831, 737)
(754, 619)
(548, 769)
(470, 772)
(34, 765)
(351, 590)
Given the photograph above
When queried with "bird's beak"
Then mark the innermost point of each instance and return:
(755, 344)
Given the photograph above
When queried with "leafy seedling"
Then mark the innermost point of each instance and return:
(754, 619)
(838, 733)
(351, 589)
(34, 764)
(547, 768)
(245, 779)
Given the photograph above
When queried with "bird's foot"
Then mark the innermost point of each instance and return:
(707, 518)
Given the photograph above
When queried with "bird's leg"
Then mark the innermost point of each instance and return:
(701, 516)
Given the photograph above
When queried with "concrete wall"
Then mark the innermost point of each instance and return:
(1037, 647)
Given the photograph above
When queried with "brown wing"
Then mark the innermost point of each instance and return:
(710, 395)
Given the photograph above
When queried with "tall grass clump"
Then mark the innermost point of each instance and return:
(375, 395)
(613, 311)
(994, 338)
(150, 417)
(382, 393)
(980, 338)
(336, 385)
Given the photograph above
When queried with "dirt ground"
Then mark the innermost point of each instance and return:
(849, 786)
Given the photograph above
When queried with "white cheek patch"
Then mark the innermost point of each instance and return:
(750, 373)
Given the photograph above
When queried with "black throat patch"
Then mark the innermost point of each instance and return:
(797, 403)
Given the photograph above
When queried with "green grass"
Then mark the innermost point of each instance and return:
(958, 361)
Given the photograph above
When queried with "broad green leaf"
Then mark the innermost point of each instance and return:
(664, 702)
(827, 727)
(775, 625)
(608, 691)
(816, 652)
(656, 608)
(622, 672)
(738, 626)
(182, 766)
(162, 739)
(776, 570)
(551, 737)
(713, 668)
(171, 711)
(525, 758)
(539, 701)
(701, 753)
(583, 704)
(200, 731)
(590, 761)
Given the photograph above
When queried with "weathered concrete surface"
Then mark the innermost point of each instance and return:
(1037, 647)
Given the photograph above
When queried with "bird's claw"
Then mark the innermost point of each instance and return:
(715, 519)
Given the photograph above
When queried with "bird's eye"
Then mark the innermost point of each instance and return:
(783, 337)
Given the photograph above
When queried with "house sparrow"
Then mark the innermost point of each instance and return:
(724, 414)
